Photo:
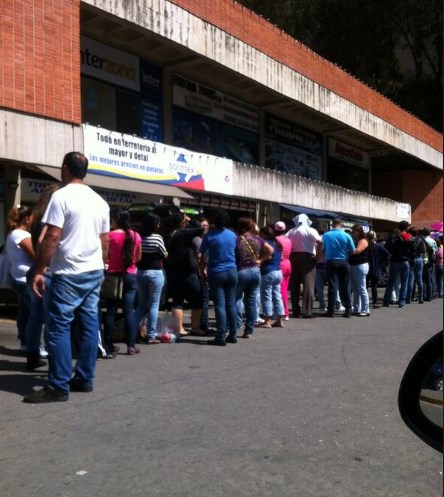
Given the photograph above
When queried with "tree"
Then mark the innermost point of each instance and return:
(393, 46)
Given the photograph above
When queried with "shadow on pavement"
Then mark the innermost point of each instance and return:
(22, 384)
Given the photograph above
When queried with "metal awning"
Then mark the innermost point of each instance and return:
(324, 214)
(122, 184)
(310, 212)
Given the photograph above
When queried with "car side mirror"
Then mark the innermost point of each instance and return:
(421, 393)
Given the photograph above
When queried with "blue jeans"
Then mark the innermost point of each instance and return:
(36, 319)
(204, 322)
(109, 321)
(223, 289)
(338, 274)
(402, 269)
(321, 278)
(23, 291)
(248, 284)
(427, 277)
(439, 280)
(271, 294)
(150, 283)
(415, 276)
(358, 277)
(70, 295)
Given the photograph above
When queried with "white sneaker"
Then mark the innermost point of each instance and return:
(43, 352)
(286, 318)
(260, 321)
(340, 309)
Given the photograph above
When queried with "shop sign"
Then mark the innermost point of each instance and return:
(291, 149)
(32, 189)
(207, 101)
(283, 131)
(347, 153)
(115, 154)
(150, 79)
(403, 211)
(109, 64)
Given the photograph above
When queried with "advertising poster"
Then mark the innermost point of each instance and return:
(152, 119)
(291, 149)
(209, 136)
(208, 121)
(125, 156)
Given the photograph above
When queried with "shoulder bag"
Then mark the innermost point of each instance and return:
(112, 286)
(5, 270)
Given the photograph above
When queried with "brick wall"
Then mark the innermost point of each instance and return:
(424, 191)
(40, 58)
(254, 30)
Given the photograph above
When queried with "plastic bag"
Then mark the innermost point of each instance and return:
(167, 329)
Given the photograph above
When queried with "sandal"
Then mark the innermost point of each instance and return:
(154, 341)
(183, 333)
(199, 333)
(277, 325)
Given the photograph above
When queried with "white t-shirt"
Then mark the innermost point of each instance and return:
(303, 239)
(83, 216)
(18, 258)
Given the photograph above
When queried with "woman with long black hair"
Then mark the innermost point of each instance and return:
(124, 252)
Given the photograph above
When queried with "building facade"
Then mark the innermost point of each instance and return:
(205, 104)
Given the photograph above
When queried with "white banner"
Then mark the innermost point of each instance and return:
(119, 155)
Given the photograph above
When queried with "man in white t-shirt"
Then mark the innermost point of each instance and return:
(75, 247)
(306, 245)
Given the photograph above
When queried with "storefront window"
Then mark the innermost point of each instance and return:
(98, 103)
(129, 114)
(347, 175)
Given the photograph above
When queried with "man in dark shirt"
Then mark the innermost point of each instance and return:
(400, 247)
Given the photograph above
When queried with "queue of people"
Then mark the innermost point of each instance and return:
(58, 253)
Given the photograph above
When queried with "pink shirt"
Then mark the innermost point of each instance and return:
(115, 257)
(439, 256)
(286, 246)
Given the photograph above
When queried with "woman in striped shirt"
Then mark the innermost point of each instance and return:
(150, 275)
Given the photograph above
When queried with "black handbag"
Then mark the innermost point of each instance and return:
(112, 286)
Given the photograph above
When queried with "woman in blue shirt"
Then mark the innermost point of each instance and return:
(221, 272)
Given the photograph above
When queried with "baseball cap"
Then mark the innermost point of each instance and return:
(280, 226)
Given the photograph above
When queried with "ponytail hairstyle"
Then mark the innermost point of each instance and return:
(17, 215)
(123, 221)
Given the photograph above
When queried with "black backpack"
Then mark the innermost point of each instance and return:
(399, 247)
(431, 253)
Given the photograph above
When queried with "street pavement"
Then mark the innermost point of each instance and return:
(305, 411)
